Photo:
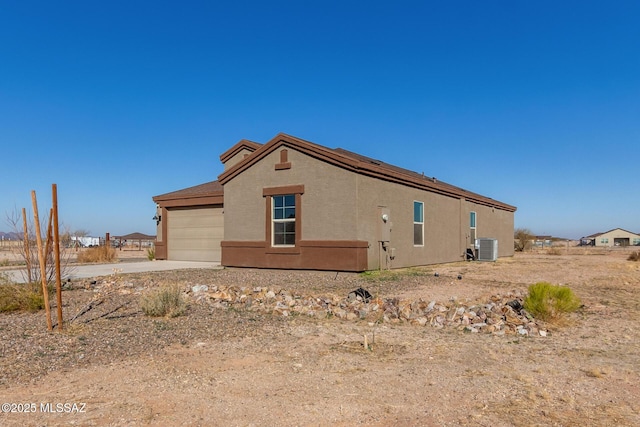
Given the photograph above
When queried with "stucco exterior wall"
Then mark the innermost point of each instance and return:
(340, 205)
(239, 156)
(495, 224)
(328, 210)
(446, 224)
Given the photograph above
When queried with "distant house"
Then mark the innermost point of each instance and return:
(542, 241)
(133, 239)
(615, 237)
(294, 204)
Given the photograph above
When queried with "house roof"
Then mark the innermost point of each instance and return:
(209, 193)
(362, 165)
(135, 236)
(243, 144)
(605, 232)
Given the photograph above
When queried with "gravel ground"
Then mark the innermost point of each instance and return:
(229, 365)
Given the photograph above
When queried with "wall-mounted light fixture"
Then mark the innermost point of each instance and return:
(157, 218)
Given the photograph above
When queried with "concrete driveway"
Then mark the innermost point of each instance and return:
(96, 270)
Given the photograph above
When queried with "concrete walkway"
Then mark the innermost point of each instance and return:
(95, 270)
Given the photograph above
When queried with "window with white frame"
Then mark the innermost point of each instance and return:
(284, 220)
(418, 223)
(472, 228)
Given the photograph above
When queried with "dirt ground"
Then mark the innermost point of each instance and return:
(241, 367)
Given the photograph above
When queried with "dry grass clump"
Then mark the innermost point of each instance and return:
(554, 251)
(24, 297)
(164, 302)
(549, 302)
(98, 254)
(634, 256)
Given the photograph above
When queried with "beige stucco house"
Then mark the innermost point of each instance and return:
(615, 237)
(294, 204)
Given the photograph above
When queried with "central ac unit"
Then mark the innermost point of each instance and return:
(487, 249)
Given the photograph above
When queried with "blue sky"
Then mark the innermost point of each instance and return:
(533, 103)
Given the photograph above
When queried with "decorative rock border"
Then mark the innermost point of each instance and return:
(501, 315)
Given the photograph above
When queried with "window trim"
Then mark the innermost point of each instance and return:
(268, 193)
(421, 223)
(282, 220)
(473, 229)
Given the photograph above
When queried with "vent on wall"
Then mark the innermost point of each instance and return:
(487, 249)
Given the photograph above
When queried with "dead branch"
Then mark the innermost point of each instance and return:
(86, 308)
(107, 313)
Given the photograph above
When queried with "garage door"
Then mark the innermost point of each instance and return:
(194, 234)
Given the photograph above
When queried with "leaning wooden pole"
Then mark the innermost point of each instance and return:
(49, 241)
(56, 253)
(43, 272)
(27, 249)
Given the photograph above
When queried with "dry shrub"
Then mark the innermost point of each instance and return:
(98, 254)
(634, 256)
(26, 297)
(554, 251)
(549, 302)
(164, 302)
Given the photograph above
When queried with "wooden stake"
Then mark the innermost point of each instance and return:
(56, 251)
(49, 241)
(27, 250)
(43, 272)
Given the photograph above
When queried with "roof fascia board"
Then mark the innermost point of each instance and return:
(239, 146)
(349, 163)
(374, 171)
(192, 201)
(620, 229)
(188, 196)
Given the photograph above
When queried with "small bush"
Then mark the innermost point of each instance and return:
(550, 302)
(164, 302)
(554, 251)
(5, 279)
(151, 254)
(634, 256)
(98, 254)
(27, 297)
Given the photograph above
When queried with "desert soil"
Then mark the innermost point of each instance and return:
(114, 366)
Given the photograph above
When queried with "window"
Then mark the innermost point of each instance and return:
(636, 242)
(284, 220)
(418, 223)
(472, 228)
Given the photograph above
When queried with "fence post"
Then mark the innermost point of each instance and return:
(56, 250)
(43, 272)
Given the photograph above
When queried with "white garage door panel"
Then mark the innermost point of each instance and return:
(195, 234)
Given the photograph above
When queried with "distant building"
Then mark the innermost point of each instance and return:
(615, 237)
(543, 241)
